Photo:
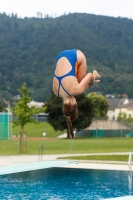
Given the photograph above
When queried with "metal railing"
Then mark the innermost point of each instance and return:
(40, 152)
(130, 161)
(130, 173)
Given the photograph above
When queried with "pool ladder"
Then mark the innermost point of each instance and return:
(40, 152)
(130, 162)
(130, 173)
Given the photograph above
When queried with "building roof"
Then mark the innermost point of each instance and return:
(127, 105)
(115, 102)
(119, 103)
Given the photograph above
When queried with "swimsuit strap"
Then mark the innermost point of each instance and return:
(60, 84)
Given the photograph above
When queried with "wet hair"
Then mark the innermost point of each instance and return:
(71, 113)
(70, 110)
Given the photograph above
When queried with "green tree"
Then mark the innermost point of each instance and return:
(32, 44)
(58, 121)
(1, 108)
(122, 117)
(24, 113)
(99, 103)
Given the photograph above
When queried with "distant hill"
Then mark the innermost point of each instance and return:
(29, 46)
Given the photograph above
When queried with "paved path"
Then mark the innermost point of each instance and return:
(17, 159)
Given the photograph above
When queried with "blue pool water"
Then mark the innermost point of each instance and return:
(65, 184)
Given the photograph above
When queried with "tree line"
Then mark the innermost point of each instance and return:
(29, 46)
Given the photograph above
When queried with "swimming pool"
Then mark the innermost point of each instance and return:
(65, 184)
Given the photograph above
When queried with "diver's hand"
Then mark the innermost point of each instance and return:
(96, 76)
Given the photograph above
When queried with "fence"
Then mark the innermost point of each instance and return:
(37, 118)
(5, 126)
(102, 127)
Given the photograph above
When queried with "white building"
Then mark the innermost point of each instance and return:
(113, 104)
(36, 104)
(127, 108)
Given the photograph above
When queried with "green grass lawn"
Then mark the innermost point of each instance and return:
(64, 146)
(36, 130)
(99, 157)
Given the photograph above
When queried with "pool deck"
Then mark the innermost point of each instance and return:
(121, 198)
(11, 160)
(30, 162)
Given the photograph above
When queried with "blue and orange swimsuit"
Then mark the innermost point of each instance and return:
(71, 56)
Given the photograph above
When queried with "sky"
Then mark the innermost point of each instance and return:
(55, 8)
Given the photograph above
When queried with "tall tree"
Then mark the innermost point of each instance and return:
(100, 104)
(58, 121)
(24, 113)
